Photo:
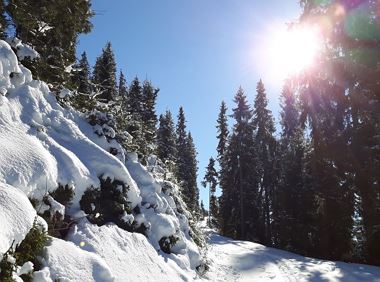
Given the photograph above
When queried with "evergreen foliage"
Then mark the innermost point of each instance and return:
(63, 194)
(52, 28)
(211, 178)
(7, 266)
(104, 75)
(186, 171)
(166, 140)
(82, 98)
(149, 117)
(109, 203)
(31, 248)
(167, 243)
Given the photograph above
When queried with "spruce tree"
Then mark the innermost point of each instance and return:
(166, 140)
(191, 186)
(186, 172)
(81, 80)
(265, 147)
(149, 117)
(181, 145)
(222, 127)
(238, 207)
(223, 135)
(293, 207)
(211, 179)
(121, 100)
(104, 75)
(135, 122)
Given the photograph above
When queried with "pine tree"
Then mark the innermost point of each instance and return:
(104, 75)
(211, 179)
(223, 135)
(149, 117)
(181, 145)
(135, 122)
(265, 146)
(166, 140)
(222, 127)
(186, 172)
(191, 187)
(81, 80)
(238, 207)
(293, 207)
(121, 100)
(52, 28)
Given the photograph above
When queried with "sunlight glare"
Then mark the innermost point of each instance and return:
(288, 52)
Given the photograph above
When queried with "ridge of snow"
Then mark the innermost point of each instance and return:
(16, 216)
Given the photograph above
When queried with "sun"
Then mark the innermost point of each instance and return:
(287, 52)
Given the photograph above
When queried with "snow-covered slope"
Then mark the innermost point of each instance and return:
(16, 216)
(232, 260)
(43, 144)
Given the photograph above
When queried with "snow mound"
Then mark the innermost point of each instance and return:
(160, 210)
(16, 216)
(130, 256)
(67, 262)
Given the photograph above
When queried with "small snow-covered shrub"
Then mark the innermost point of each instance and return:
(63, 194)
(25, 258)
(31, 248)
(167, 243)
(107, 203)
(52, 209)
(7, 266)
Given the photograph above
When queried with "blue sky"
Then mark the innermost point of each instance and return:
(198, 52)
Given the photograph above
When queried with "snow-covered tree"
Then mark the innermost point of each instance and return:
(104, 75)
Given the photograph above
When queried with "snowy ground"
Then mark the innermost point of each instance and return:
(232, 260)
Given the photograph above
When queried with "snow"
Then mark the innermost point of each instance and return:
(16, 216)
(45, 144)
(232, 260)
(161, 212)
(25, 269)
(130, 255)
(23, 50)
(67, 262)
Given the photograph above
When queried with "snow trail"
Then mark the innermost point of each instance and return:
(232, 260)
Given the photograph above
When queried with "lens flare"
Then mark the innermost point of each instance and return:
(289, 52)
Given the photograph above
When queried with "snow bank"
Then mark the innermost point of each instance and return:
(160, 211)
(130, 256)
(16, 216)
(67, 262)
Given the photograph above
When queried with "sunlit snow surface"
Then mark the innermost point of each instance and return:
(232, 260)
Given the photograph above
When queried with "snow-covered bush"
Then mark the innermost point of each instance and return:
(31, 248)
(7, 266)
(167, 243)
(109, 203)
(22, 261)
(63, 194)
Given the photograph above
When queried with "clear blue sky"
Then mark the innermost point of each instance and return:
(198, 52)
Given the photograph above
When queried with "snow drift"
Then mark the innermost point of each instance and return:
(43, 145)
